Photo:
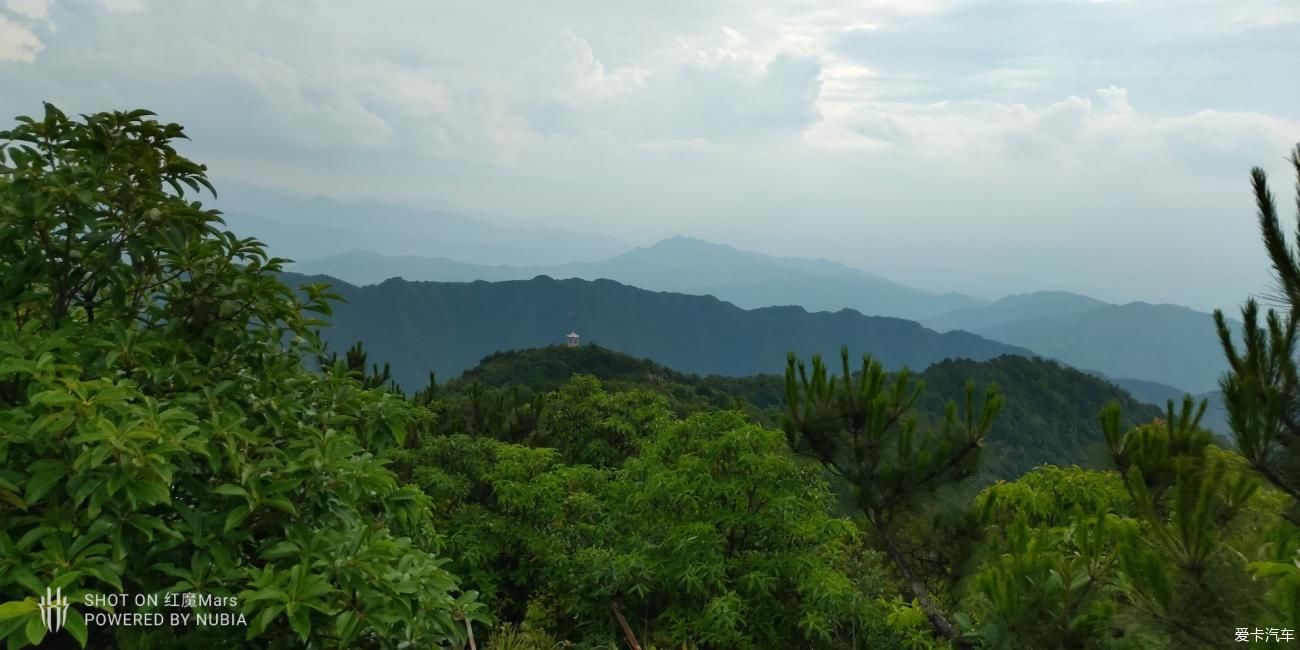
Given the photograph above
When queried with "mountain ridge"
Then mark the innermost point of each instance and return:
(1049, 414)
(1165, 343)
(447, 327)
(679, 264)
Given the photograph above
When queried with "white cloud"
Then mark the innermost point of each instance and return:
(17, 43)
(717, 87)
(869, 125)
(1104, 131)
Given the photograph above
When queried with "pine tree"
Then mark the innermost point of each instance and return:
(1183, 577)
(354, 365)
(862, 428)
(1261, 390)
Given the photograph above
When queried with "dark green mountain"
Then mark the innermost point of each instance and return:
(447, 327)
(1168, 344)
(1050, 414)
(540, 370)
(679, 264)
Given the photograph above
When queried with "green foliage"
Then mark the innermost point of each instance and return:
(1261, 392)
(1049, 560)
(157, 430)
(1143, 557)
(712, 521)
(511, 637)
(707, 533)
(589, 426)
(1262, 389)
(512, 514)
(1170, 563)
(1049, 414)
(354, 363)
(542, 370)
(1182, 574)
(1052, 496)
(862, 428)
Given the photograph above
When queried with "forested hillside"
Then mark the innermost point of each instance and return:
(1050, 415)
(542, 370)
(171, 423)
(446, 327)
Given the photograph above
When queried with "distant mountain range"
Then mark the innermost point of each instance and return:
(306, 228)
(1168, 344)
(679, 264)
(1014, 309)
(448, 326)
(1150, 392)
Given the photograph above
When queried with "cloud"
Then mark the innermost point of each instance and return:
(865, 127)
(34, 9)
(126, 6)
(1103, 130)
(17, 43)
(714, 88)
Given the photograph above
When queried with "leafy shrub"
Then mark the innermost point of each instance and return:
(157, 430)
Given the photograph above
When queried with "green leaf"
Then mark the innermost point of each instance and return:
(38, 485)
(270, 593)
(300, 620)
(77, 627)
(53, 397)
(230, 490)
(1079, 581)
(32, 536)
(147, 492)
(259, 624)
(64, 579)
(345, 626)
(35, 630)
(17, 608)
(236, 517)
(279, 550)
(281, 503)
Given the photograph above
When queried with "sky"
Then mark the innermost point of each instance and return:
(989, 147)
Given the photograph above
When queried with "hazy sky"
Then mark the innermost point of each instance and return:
(982, 146)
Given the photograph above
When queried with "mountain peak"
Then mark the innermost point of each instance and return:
(686, 243)
(1051, 297)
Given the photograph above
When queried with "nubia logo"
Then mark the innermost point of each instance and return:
(54, 609)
